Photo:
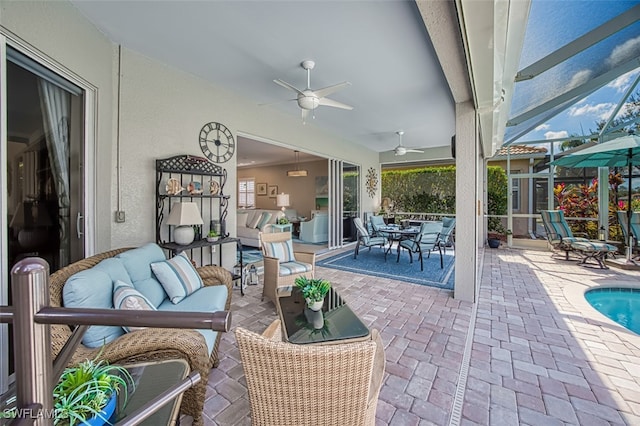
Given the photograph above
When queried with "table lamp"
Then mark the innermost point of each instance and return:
(184, 216)
(282, 200)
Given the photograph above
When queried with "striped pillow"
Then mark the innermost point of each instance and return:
(125, 296)
(264, 219)
(283, 250)
(178, 277)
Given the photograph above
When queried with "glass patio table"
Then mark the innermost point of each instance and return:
(335, 323)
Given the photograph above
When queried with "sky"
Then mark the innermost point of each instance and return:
(552, 25)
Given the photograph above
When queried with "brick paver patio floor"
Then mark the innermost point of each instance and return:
(538, 354)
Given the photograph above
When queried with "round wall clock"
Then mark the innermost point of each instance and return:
(216, 142)
(371, 182)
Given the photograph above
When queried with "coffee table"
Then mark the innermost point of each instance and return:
(153, 378)
(335, 323)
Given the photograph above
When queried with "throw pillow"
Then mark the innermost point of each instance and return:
(178, 277)
(252, 222)
(125, 296)
(283, 250)
(242, 219)
(264, 219)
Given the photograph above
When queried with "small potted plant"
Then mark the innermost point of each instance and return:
(283, 220)
(86, 393)
(212, 236)
(313, 290)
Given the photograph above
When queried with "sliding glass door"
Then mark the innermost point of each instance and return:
(43, 150)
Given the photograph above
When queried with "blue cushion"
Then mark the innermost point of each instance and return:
(281, 250)
(92, 288)
(206, 299)
(290, 268)
(125, 296)
(138, 262)
(178, 277)
(264, 219)
(114, 267)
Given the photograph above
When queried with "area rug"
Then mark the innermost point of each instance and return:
(372, 263)
(250, 255)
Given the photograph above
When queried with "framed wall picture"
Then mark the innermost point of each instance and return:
(273, 191)
(261, 188)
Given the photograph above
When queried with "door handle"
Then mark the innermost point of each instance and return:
(79, 218)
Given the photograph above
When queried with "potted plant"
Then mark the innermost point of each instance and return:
(283, 221)
(313, 290)
(86, 393)
(212, 236)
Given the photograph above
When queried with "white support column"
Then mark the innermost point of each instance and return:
(468, 202)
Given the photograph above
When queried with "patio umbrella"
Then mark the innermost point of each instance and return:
(619, 152)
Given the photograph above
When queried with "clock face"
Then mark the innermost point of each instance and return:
(216, 142)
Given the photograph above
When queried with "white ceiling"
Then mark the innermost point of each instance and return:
(381, 47)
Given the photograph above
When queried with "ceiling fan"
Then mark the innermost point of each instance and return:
(308, 99)
(400, 149)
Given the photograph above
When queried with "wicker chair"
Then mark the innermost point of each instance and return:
(291, 384)
(278, 275)
(148, 344)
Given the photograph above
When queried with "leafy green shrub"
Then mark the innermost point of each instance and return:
(496, 197)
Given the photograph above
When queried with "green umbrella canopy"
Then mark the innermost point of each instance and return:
(621, 152)
(618, 152)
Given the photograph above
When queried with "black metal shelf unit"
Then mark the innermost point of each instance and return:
(208, 177)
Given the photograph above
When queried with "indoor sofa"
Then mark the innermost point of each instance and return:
(253, 221)
(100, 280)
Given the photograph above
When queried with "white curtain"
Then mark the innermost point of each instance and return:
(55, 105)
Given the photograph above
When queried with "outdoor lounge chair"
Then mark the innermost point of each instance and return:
(635, 230)
(289, 384)
(427, 240)
(367, 240)
(561, 238)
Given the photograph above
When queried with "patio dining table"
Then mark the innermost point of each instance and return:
(396, 233)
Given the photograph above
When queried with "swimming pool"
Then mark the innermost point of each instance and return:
(620, 304)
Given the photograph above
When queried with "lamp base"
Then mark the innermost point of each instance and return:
(184, 235)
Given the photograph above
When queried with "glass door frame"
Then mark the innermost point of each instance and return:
(89, 134)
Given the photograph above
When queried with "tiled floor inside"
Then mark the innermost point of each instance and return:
(539, 354)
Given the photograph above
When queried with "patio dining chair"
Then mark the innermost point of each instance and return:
(377, 226)
(427, 240)
(446, 235)
(367, 240)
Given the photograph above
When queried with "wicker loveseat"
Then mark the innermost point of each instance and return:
(150, 343)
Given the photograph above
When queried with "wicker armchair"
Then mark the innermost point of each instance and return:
(148, 344)
(291, 384)
(278, 275)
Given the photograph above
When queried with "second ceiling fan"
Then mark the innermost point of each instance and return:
(308, 99)
(401, 149)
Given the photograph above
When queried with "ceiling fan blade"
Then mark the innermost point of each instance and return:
(288, 86)
(414, 150)
(331, 103)
(326, 91)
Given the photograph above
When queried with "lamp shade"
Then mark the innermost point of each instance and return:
(184, 214)
(282, 200)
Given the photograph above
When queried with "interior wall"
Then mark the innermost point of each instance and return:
(301, 190)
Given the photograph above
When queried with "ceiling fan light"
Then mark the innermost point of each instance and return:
(297, 173)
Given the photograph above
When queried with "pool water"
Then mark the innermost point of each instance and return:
(621, 305)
